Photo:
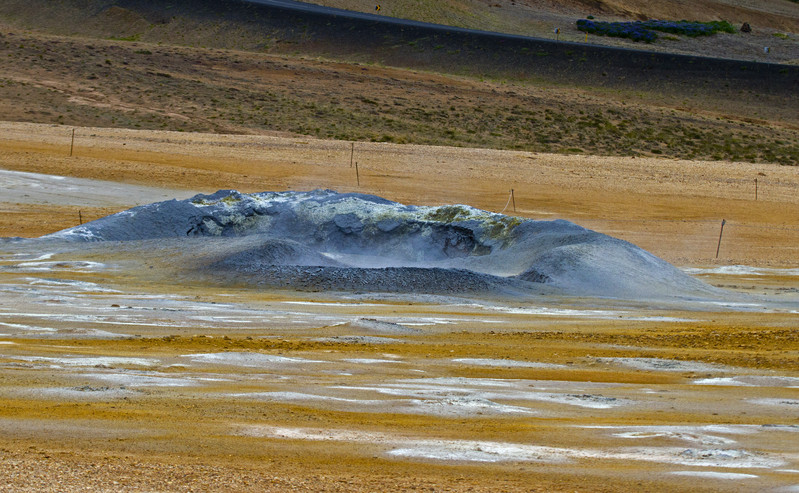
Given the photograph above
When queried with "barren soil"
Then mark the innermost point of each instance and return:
(109, 390)
(114, 377)
(502, 96)
(672, 208)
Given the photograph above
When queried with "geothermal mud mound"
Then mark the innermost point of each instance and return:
(323, 240)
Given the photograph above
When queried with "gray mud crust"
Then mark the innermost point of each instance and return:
(386, 280)
(328, 241)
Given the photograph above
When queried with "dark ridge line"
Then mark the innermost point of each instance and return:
(350, 14)
(311, 29)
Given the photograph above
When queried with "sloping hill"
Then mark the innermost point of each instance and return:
(525, 16)
(540, 17)
(775, 23)
(519, 93)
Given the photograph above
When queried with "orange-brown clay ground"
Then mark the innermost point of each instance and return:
(324, 422)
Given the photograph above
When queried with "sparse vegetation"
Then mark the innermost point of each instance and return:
(134, 37)
(149, 86)
(645, 30)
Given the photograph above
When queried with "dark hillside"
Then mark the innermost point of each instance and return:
(536, 95)
(241, 24)
(538, 17)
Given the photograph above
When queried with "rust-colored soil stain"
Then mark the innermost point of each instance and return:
(115, 379)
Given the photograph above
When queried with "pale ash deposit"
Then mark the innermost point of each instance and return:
(324, 240)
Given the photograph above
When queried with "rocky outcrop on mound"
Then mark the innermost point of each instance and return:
(324, 240)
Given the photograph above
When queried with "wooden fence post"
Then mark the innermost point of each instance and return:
(723, 222)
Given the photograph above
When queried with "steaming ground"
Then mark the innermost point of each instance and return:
(133, 352)
(36, 188)
(328, 241)
(492, 389)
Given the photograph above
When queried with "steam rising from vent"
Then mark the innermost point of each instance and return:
(323, 240)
